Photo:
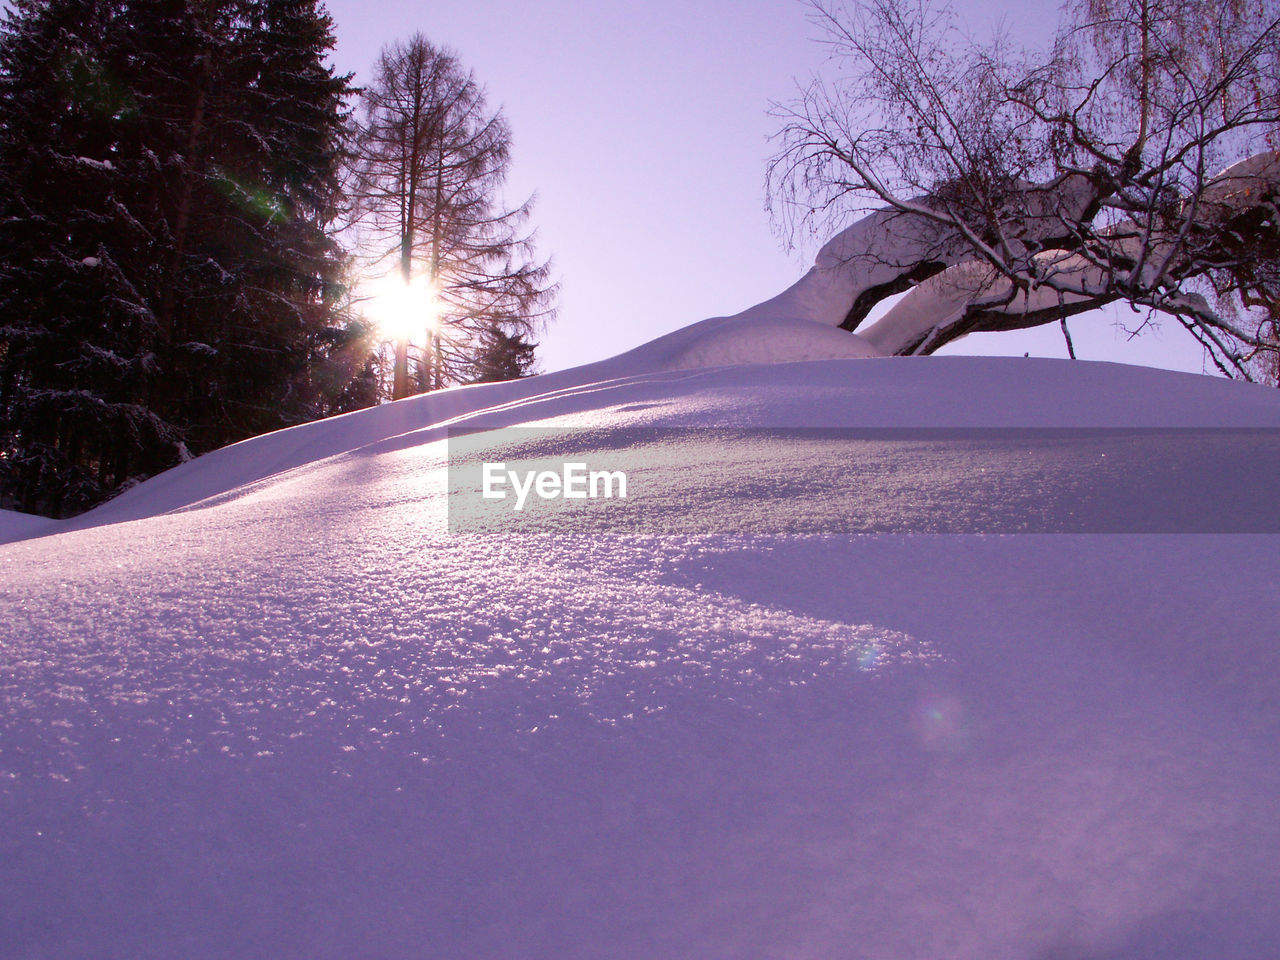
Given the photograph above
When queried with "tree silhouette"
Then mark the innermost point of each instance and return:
(429, 166)
(1134, 162)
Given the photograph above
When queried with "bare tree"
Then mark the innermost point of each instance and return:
(1134, 161)
(430, 161)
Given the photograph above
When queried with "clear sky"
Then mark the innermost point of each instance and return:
(642, 126)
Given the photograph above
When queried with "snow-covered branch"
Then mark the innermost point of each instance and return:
(1011, 190)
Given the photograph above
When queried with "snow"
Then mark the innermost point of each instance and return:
(19, 526)
(942, 298)
(885, 247)
(265, 704)
(95, 164)
(878, 249)
(1242, 183)
(749, 340)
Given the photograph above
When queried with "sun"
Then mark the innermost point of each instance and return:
(403, 311)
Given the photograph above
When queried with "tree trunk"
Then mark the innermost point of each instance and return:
(182, 218)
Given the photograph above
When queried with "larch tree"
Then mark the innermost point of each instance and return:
(1135, 161)
(430, 162)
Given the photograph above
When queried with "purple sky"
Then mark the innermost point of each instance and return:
(642, 127)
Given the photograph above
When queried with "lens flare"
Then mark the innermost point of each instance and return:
(403, 311)
(940, 723)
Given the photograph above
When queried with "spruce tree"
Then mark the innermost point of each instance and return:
(503, 355)
(76, 331)
(167, 284)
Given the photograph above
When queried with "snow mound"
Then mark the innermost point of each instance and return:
(887, 392)
(746, 340)
(284, 712)
(19, 526)
(715, 342)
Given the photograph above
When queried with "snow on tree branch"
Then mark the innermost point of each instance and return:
(1008, 189)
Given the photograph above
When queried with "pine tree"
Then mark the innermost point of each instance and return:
(167, 285)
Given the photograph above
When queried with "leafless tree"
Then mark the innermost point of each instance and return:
(430, 161)
(1133, 161)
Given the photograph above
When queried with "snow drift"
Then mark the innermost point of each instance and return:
(265, 705)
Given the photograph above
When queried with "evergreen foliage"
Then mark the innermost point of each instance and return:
(503, 355)
(167, 284)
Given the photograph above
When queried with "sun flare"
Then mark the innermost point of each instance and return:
(403, 311)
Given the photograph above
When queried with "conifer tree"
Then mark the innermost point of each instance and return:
(431, 162)
(503, 355)
(167, 284)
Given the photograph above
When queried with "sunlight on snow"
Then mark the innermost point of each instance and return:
(415, 633)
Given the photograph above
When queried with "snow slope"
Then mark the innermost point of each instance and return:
(266, 705)
(19, 526)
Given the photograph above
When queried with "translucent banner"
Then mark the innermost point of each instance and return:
(864, 481)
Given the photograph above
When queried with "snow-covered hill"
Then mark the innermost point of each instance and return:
(266, 705)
